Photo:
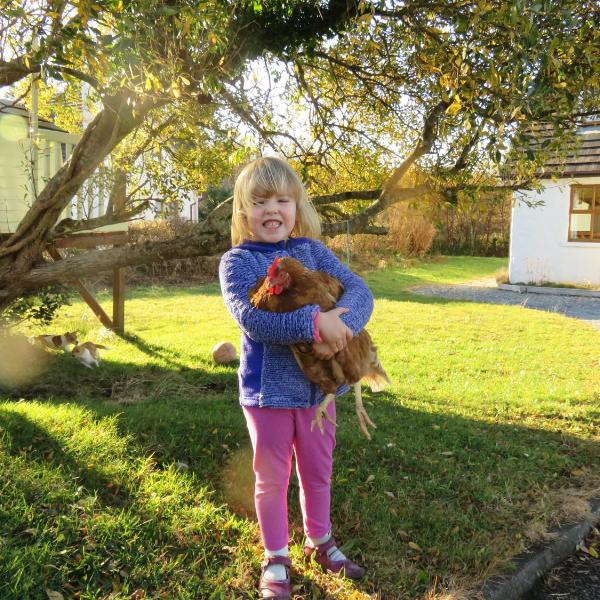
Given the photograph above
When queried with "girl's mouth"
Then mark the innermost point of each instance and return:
(271, 224)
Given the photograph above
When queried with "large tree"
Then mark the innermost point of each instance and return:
(443, 85)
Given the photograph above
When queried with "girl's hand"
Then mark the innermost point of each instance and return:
(333, 330)
(322, 350)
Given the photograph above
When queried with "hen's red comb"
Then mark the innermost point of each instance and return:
(272, 272)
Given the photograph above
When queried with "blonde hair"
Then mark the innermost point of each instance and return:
(262, 178)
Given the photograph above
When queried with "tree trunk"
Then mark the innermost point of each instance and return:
(22, 251)
(212, 237)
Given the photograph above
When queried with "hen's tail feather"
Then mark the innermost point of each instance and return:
(377, 378)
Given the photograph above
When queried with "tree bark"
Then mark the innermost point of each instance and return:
(24, 248)
(212, 237)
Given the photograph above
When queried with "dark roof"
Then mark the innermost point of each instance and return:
(9, 107)
(580, 157)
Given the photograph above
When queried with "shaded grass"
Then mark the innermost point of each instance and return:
(135, 476)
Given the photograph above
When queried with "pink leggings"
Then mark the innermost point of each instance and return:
(276, 433)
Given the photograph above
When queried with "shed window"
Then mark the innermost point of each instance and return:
(584, 213)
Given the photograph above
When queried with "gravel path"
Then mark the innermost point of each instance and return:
(586, 309)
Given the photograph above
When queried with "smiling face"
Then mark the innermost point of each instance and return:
(272, 219)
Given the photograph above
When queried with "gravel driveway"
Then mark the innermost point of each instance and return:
(485, 290)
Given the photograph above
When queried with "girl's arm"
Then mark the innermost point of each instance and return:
(356, 297)
(237, 274)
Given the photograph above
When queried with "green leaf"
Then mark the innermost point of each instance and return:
(168, 10)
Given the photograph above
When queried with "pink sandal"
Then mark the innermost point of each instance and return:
(342, 568)
(276, 590)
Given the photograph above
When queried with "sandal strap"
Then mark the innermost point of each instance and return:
(323, 548)
(276, 560)
(276, 590)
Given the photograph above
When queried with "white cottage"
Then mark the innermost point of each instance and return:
(54, 146)
(559, 241)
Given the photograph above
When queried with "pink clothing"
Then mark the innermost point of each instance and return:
(316, 333)
(276, 433)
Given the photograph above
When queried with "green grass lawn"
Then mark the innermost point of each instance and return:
(134, 480)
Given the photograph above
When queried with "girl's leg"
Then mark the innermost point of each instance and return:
(314, 461)
(271, 433)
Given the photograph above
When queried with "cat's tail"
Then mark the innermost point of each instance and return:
(102, 347)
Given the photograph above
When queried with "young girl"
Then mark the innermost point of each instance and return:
(272, 216)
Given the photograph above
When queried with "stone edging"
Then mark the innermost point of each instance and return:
(554, 291)
(531, 565)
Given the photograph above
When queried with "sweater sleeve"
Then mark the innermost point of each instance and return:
(357, 296)
(238, 276)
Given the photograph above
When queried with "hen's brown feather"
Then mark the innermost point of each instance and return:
(307, 287)
(357, 361)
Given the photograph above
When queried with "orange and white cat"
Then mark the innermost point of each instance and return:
(56, 342)
(87, 354)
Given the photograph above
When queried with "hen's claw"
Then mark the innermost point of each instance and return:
(318, 420)
(322, 412)
(364, 421)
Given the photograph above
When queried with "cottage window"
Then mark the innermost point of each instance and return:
(584, 213)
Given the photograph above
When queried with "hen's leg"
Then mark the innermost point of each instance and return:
(322, 412)
(361, 413)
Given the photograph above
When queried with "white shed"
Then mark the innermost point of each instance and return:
(559, 241)
(54, 148)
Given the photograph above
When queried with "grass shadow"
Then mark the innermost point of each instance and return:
(431, 480)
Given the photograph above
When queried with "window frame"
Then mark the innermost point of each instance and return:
(594, 211)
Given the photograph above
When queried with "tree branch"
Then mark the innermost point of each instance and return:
(343, 196)
(360, 223)
(428, 137)
(211, 237)
(15, 70)
(331, 229)
(69, 226)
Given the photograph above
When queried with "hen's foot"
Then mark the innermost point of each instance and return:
(321, 413)
(364, 421)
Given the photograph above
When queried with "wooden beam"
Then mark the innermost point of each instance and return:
(85, 294)
(102, 238)
(119, 300)
(92, 240)
(93, 304)
(117, 201)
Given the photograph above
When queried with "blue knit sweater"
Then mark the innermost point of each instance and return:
(269, 375)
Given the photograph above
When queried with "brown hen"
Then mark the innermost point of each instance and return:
(289, 286)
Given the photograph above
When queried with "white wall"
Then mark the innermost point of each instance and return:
(14, 178)
(16, 194)
(539, 250)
